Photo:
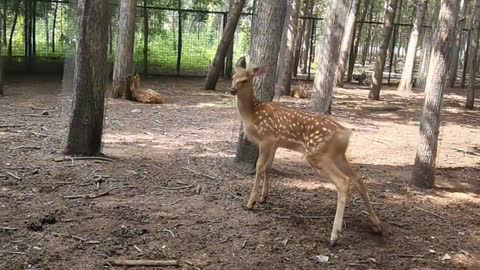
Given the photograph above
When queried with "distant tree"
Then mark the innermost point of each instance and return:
(329, 54)
(353, 58)
(302, 23)
(347, 39)
(90, 76)
(306, 39)
(423, 175)
(455, 53)
(14, 25)
(388, 21)
(368, 41)
(225, 42)
(405, 85)
(269, 16)
(1, 67)
(124, 64)
(473, 59)
(286, 56)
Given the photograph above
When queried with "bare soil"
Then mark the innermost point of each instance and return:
(172, 192)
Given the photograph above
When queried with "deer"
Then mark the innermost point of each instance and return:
(136, 93)
(321, 139)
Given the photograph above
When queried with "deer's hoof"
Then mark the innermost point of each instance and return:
(377, 228)
(333, 241)
(263, 199)
(250, 205)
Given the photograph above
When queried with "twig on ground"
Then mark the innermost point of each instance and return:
(6, 229)
(144, 262)
(199, 173)
(304, 217)
(12, 252)
(137, 248)
(377, 140)
(81, 239)
(14, 176)
(428, 212)
(42, 109)
(33, 147)
(466, 151)
(61, 159)
(169, 231)
(170, 204)
(11, 126)
(409, 256)
(176, 188)
(396, 224)
(192, 265)
(88, 196)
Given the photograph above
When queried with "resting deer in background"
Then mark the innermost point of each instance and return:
(322, 140)
(136, 93)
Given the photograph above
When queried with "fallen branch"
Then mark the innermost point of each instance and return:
(169, 231)
(88, 196)
(199, 173)
(61, 159)
(33, 147)
(12, 252)
(170, 204)
(14, 176)
(144, 263)
(428, 212)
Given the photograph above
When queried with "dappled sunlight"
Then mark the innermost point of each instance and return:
(308, 185)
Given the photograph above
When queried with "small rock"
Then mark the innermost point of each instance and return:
(136, 111)
(45, 113)
(285, 242)
(432, 251)
(321, 258)
(446, 257)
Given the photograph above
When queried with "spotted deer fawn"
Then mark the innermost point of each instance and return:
(322, 140)
(142, 95)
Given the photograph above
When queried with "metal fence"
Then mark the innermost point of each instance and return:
(173, 39)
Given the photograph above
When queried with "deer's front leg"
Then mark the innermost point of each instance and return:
(263, 156)
(266, 177)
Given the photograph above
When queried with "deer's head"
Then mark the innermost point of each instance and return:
(242, 80)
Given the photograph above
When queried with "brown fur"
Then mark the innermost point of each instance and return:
(144, 95)
(321, 139)
(300, 91)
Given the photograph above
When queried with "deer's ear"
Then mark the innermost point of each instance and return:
(257, 71)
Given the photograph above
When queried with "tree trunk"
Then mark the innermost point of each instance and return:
(405, 85)
(388, 23)
(265, 46)
(353, 59)
(145, 37)
(12, 31)
(472, 60)
(47, 29)
(285, 61)
(124, 65)
(306, 39)
(455, 53)
(86, 123)
(54, 26)
(369, 37)
(4, 23)
(465, 57)
(423, 174)
(227, 74)
(299, 40)
(347, 41)
(2, 62)
(227, 39)
(329, 54)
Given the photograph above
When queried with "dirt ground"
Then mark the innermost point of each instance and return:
(172, 193)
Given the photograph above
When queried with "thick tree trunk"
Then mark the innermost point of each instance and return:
(86, 123)
(423, 175)
(472, 60)
(329, 54)
(265, 46)
(54, 26)
(405, 85)
(227, 74)
(12, 31)
(353, 58)
(227, 39)
(285, 60)
(455, 53)
(124, 65)
(347, 40)
(368, 42)
(377, 77)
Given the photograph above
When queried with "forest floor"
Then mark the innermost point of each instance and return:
(172, 192)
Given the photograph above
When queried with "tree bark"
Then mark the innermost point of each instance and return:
(388, 23)
(12, 31)
(265, 46)
(124, 65)
(455, 53)
(227, 74)
(465, 57)
(4, 23)
(145, 37)
(227, 39)
(86, 123)
(299, 40)
(285, 61)
(306, 39)
(347, 41)
(405, 85)
(54, 26)
(353, 58)
(423, 174)
(368, 42)
(47, 29)
(472, 60)
(2, 63)
(329, 55)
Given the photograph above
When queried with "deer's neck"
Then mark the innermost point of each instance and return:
(246, 107)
